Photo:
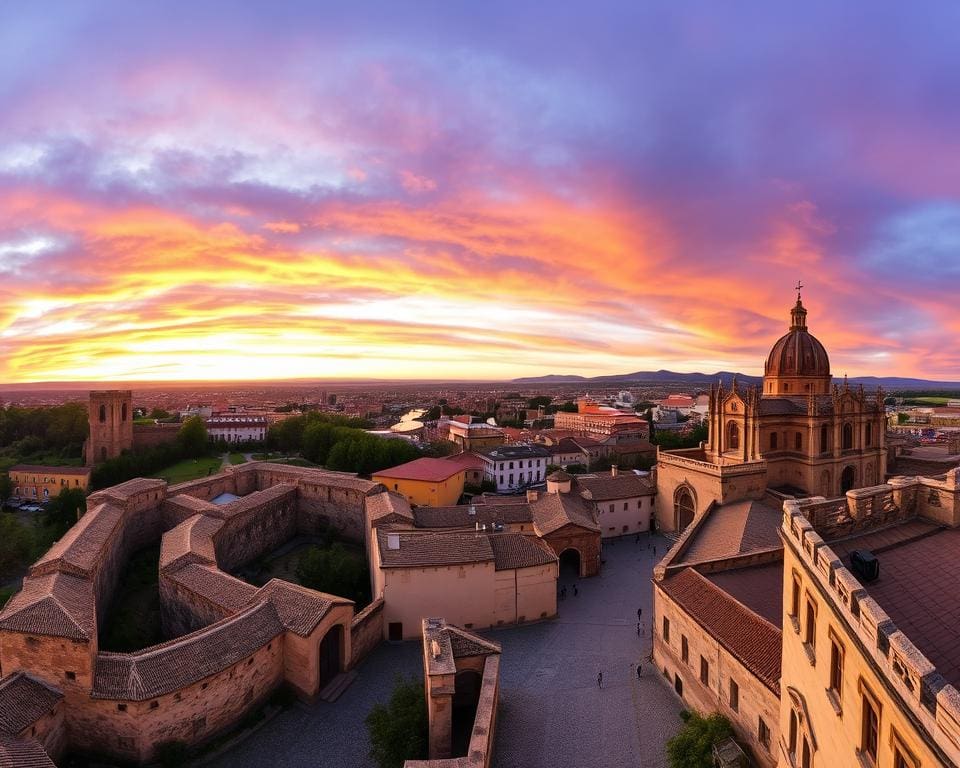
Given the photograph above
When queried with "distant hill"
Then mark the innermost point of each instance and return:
(664, 377)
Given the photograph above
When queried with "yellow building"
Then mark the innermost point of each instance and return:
(426, 482)
(38, 483)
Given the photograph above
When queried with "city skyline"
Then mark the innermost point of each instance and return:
(313, 192)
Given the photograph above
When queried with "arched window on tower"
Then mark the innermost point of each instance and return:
(733, 436)
(774, 441)
(103, 413)
(847, 436)
(123, 412)
(824, 435)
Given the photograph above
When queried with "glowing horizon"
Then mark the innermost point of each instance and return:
(306, 192)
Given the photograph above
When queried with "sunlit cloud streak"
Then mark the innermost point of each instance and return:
(347, 193)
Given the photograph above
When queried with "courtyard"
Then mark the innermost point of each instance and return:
(551, 713)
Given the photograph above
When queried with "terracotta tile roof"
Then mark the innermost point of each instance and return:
(420, 549)
(191, 541)
(41, 469)
(464, 643)
(451, 643)
(298, 608)
(81, 547)
(466, 460)
(214, 585)
(192, 503)
(516, 550)
(312, 475)
(168, 667)
(757, 587)
(751, 639)
(460, 517)
(23, 753)
(388, 504)
(623, 485)
(735, 529)
(552, 511)
(23, 701)
(56, 604)
(424, 469)
(253, 500)
(124, 491)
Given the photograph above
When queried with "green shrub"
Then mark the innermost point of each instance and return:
(692, 746)
(398, 731)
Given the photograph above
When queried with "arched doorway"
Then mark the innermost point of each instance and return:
(570, 564)
(330, 651)
(466, 694)
(684, 507)
(847, 479)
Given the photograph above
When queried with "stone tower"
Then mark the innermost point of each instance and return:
(111, 424)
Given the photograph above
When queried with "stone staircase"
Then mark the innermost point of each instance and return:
(331, 692)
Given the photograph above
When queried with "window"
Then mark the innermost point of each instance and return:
(121, 707)
(103, 413)
(805, 754)
(733, 436)
(70, 675)
(734, 696)
(773, 441)
(847, 436)
(798, 441)
(666, 629)
(869, 435)
(678, 685)
(704, 671)
(684, 649)
(763, 734)
(870, 728)
(902, 757)
(792, 740)
(626, 505)
(795, 598)
(154, 704)
(823, 439)
(810, 628)
(836, 667)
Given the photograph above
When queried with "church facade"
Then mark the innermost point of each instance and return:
(797, 435)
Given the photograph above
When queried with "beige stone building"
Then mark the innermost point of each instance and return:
(804, 598)
(623, 501)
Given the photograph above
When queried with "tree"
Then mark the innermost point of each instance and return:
(65, 509)
(568, 407)
(6, 488)
(692, 746)
(399, 730)
(192, 437)
(336, 571)
(159, 413)
(535, 402)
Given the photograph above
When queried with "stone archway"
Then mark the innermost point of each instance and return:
(331, 649)
(848, 479)
(684, 507)
(571, 563)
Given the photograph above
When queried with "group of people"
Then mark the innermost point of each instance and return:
(563, 591)
(640, 662)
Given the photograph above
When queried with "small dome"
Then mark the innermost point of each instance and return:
(798, 353)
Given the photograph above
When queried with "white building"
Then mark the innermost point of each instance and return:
(237, 429)
(514, 467)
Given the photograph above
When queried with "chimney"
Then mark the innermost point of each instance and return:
(393, 541)
(532, 496)
(613, 470)
(435, 649)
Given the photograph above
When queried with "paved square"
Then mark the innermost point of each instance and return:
(552, 712)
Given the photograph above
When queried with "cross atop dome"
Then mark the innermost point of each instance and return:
(798, 286)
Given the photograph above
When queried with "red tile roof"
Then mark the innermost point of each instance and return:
(23, 701)
(623, 485)
(552, 511)
(751, 639)
(57, 605)
(515, 550)
(420, 549)
(468, 460)
(425, 469)
(23, 753)
(43, 469)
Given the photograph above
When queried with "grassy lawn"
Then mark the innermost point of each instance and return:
(134, 618)
(926, 400)
(237, 458)
(297, 462)
(190, 469)
(265, 456)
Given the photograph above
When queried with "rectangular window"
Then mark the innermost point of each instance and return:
(684, 649)
(836, 666)
(903, 757)
(626, 505)
(810, 630)
(666, 629)
(704, 671)
(734, 696)
(870, 729)
(763, 734)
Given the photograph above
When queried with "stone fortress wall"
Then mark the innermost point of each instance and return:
(233, 643)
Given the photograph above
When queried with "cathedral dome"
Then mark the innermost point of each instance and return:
(798, 362)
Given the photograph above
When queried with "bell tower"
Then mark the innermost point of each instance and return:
(111, 424)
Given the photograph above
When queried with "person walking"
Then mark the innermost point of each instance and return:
(639, 613)
(575, 591)
(600, 679)
(638, 629)
(639, 670)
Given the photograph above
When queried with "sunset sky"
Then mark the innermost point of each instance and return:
(475, 190)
